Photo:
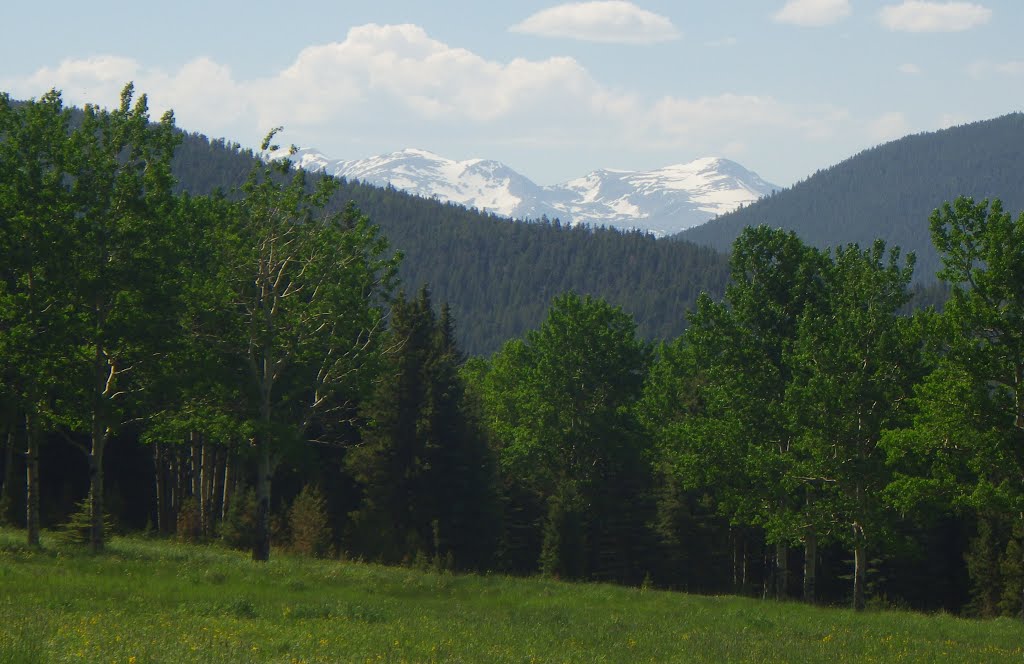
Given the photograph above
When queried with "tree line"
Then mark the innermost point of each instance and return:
(806, 434)
(249, 318)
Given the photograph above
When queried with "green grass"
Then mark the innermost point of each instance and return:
(156, 601)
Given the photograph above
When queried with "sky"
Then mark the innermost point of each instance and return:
(553, 90)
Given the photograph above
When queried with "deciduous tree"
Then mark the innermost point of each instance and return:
(306, 292)
(561, 404)
(854, 362)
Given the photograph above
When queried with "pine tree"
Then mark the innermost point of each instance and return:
(424, 465)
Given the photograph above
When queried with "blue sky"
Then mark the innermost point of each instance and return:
(553, 90)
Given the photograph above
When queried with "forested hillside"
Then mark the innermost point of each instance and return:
(499, 276)
(889, 191)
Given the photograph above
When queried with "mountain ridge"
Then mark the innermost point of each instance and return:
(890, 190)
(661, 201)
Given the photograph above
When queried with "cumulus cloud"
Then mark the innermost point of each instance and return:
(927, 16)
(87, 79)
(813, 13)
(401, 64)
(608, 21)
(377, 71)
(202, 92)
(390, 86)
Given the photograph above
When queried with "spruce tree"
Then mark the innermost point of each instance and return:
(424, 466)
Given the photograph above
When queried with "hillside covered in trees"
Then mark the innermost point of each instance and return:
(499, 276)
(889, 191)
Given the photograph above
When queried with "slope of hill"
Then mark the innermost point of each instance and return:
(662, 201)
(499, 276)
(889, 191)
(154, 599)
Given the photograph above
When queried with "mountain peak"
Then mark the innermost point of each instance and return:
(662, 201)
(417, 152)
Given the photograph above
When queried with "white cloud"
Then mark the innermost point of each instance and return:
(385, 87)
(888, 126)
(608, 21)
(96, 79)
(813, 13)
(909, 68)
(377, 67)
(927, 16)
(202, 93)
(383, 79)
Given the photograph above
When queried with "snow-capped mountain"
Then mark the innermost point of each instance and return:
(662, 201)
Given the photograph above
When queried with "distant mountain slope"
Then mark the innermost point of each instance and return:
(499, 276)
(662, 201)
(890, 191)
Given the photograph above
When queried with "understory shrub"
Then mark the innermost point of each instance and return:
(308, 521)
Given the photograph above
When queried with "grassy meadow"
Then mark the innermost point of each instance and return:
(157, 601)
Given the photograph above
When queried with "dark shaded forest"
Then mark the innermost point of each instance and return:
(889, 191)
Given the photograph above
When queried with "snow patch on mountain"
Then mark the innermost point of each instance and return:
(662, 201)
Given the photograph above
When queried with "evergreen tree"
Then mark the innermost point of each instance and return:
(424, 466)
(392, 462)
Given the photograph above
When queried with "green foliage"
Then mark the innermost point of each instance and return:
(308, 522)
(425, 470)
(89, 292)
(736, 443)
(560, 400)
(983, 564)
(962, 449)
(77, 529)
(1011, 574)
(855, 363)
(303, 294)
(239, 527)
(256, 319)
(561, 406)
(563, 552)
